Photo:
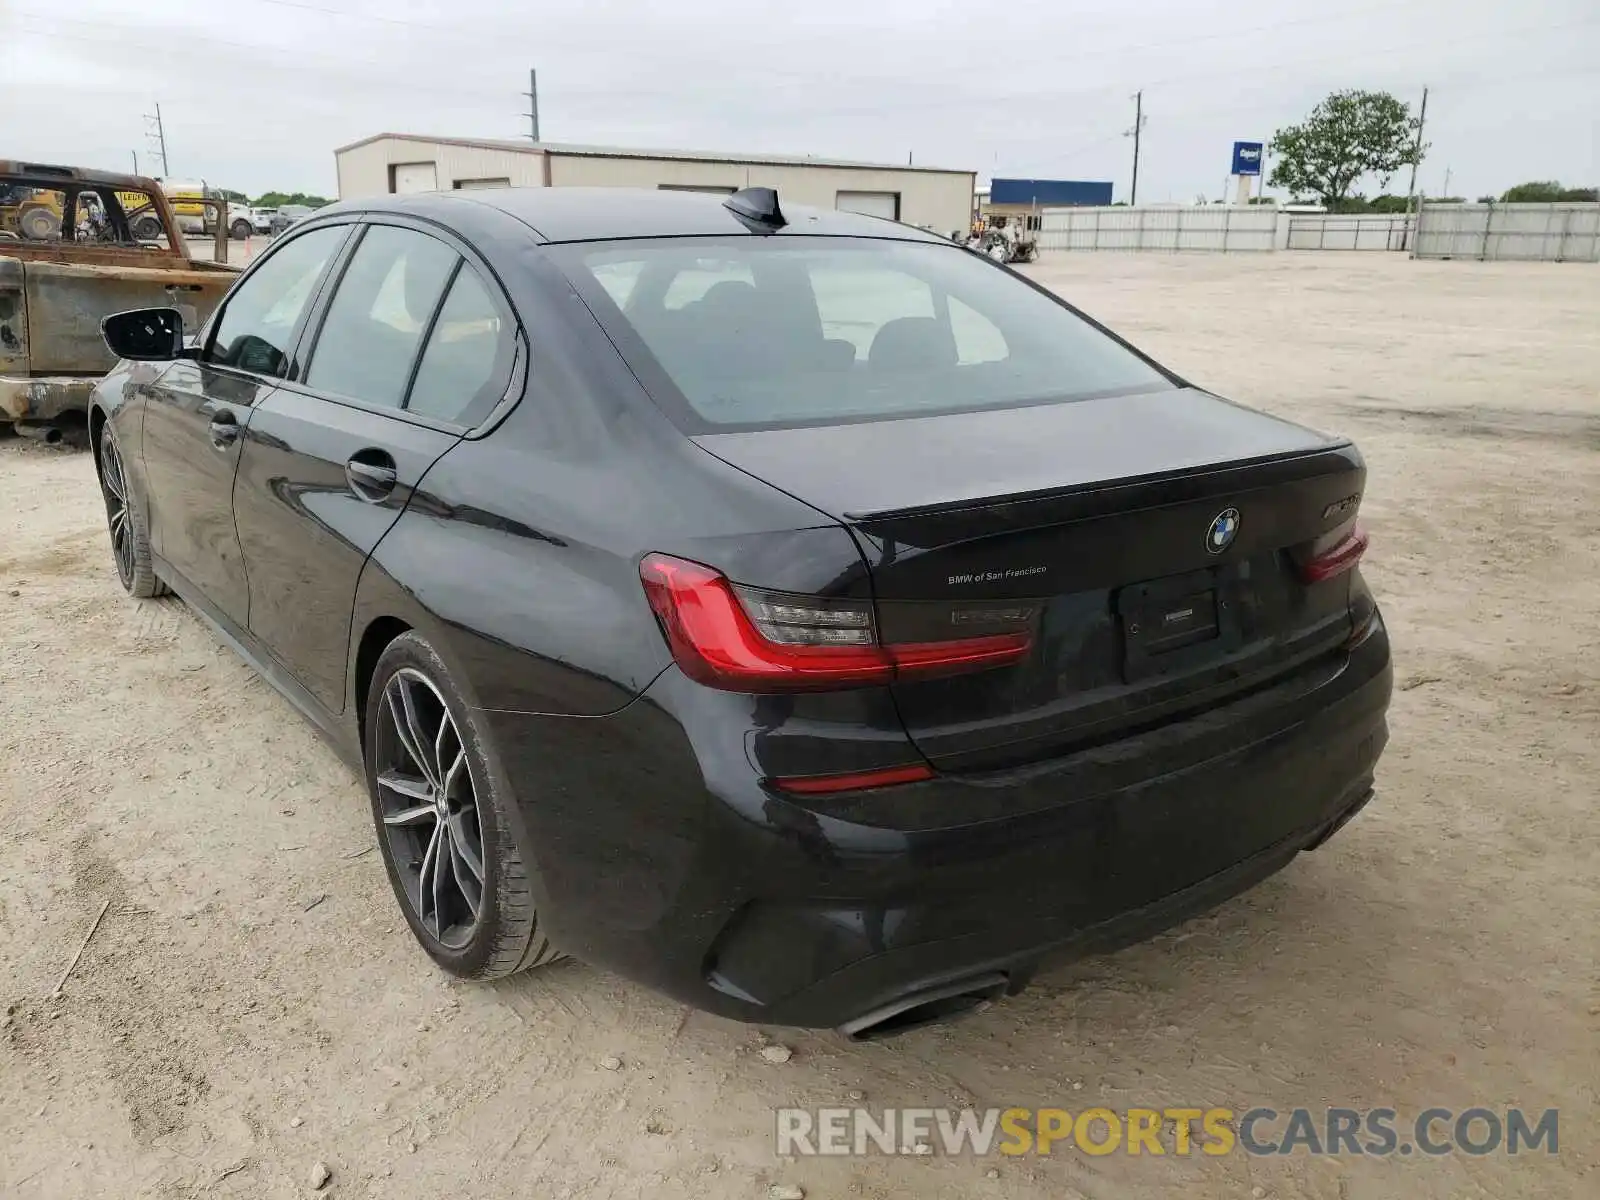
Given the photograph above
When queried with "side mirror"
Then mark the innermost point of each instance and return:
(145, 334)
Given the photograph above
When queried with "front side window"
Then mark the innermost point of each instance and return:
(379, 315)
(765, 332)
(260, 315)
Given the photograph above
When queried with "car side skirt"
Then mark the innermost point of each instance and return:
(339, 732)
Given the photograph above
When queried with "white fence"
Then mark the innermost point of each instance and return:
(1537, 232)
(1353, 232)
(1529, 232)
(1214, 228)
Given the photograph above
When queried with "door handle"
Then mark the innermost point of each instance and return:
(371, 475)
(224, 428)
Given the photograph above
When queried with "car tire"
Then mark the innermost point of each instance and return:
(422, 740)
(130, 538)
(240, 230)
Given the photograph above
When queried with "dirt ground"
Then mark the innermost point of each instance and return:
(252, 1002)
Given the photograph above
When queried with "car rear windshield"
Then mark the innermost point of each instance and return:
(767, 332)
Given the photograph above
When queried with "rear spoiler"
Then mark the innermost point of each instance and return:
(1078, 502)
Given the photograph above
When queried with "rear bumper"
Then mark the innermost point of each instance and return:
(44, 397)
(739, 901)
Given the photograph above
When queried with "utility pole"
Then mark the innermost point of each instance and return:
(135, 154)
(1422, 117)
(1138, 124)
(156, 130)
(1447, 174)
(533, 104)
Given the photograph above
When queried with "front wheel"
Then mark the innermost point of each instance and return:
(442, 824)
(130, 539)
(240, 230)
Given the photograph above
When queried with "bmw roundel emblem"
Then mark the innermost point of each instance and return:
(1224, 528)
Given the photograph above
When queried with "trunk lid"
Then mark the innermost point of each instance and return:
(1152, 540)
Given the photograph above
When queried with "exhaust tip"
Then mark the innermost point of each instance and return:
(1340, 821)
(943, 1003)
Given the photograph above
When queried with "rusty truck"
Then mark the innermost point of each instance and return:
(75, 246)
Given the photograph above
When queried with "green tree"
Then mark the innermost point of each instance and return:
(279, 199)
(1547, 191)
(1349, 136)
(1538, 192)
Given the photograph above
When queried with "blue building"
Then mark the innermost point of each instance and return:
(1047, 193)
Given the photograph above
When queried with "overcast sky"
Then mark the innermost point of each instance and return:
(257, 93)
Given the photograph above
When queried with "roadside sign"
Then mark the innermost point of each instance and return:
(1246, 158)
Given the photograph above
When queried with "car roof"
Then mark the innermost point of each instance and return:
(573, 214)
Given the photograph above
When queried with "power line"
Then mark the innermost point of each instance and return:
(340, 66)
(1296, 67)
(362, 16)
(298, 61)
(805, 79)
(1478, 83)
(1341, 17)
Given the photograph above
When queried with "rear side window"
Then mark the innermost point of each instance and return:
(459, 378)
(766, 332)
(262, 312)
(380, 314)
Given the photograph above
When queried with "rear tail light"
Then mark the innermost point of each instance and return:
(744, 640)
(1336, 559)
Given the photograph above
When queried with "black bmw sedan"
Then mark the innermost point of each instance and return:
(790, 610)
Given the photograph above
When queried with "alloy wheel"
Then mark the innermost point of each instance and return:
(429, 804)
(114, 486)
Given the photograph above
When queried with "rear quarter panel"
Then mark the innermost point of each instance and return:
(520, 549)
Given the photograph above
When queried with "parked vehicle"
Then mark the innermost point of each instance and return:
(288, 215)
(806, 618)
(247, 219)
(196, 217)
(1012, 238)
(60, 276)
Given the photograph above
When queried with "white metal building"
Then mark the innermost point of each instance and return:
(402, 162)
